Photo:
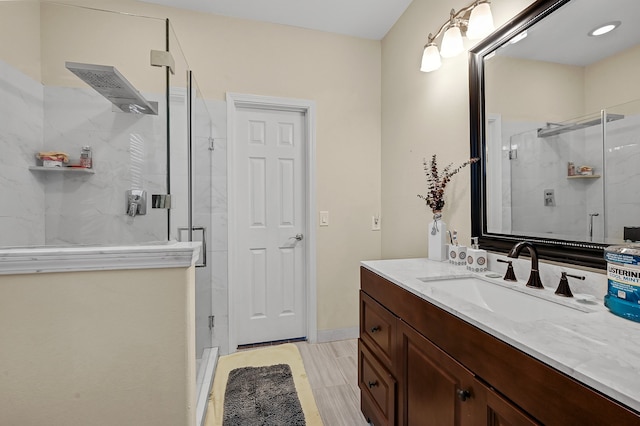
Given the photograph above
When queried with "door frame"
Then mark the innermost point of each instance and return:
(308, 107)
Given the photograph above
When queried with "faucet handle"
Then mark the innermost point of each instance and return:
(563, 287)
(510, 275)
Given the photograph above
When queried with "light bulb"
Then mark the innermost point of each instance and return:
(480, 22)
(451, 42)
(430, 58)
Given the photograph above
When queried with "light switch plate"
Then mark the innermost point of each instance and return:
(324, 218)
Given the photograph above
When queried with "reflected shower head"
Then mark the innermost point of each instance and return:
(107, 81)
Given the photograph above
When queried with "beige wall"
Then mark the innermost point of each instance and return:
(98, 348)
(424, 114)
(553, 92)
(95, 37)
(613, 81)
(20, 35)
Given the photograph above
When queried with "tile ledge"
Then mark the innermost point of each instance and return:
(98, 258)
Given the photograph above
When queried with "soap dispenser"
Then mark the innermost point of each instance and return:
(476, 257)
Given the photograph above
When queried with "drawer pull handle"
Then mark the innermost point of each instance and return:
(375, 329)
(373, 384)
(463, 394)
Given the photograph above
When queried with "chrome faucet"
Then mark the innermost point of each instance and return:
(591, 216)
(534, 277)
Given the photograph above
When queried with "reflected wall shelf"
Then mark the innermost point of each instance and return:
(62, 170)
(584, 177)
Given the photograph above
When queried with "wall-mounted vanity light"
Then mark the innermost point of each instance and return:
(474, 20)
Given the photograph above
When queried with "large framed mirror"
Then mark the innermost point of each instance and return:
(555, 119)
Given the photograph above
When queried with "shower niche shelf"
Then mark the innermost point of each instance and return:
(74, 170)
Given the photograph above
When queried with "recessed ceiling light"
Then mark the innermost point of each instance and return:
(604, 28)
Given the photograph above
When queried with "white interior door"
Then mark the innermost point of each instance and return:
(270, 299)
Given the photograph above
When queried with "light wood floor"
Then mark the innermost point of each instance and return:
(332, 369)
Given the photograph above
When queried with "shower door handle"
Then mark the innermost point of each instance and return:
(203, 249)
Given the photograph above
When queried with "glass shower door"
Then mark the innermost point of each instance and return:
(190, 184)
(201, 150)
(621, 195)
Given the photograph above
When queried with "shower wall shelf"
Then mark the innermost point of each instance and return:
(554, 129)
(108, 81)
(76, 170)
(583, 177)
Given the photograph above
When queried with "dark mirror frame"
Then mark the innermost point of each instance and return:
(573, 252)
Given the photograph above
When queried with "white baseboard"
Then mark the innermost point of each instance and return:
(338, 334)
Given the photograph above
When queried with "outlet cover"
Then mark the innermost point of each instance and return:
(375, 223)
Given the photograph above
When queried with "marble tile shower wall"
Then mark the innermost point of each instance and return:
(21, 191)
(129, 152)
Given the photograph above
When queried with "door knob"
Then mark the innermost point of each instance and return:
(299, 237)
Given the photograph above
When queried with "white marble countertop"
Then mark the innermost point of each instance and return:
(597, 348)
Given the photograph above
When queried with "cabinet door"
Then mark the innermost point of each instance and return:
(433, 389)
(500, 412)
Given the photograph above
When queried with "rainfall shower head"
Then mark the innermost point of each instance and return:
(107, 81)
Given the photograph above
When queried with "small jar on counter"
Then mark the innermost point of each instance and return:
(571, 169)
(85, 157)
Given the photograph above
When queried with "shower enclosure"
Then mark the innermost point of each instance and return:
(74, 77)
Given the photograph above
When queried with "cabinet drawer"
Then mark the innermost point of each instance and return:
(378, 388)
(378, 329)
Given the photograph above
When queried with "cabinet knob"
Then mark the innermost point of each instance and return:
(373, 384)
(375, 329)
(463, 394)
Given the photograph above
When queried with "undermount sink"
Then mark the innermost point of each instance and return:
(508, 302)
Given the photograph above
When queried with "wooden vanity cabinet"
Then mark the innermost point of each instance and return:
(432, 368)
(434, 389)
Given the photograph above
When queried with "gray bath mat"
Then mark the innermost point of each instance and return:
(262, 396)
